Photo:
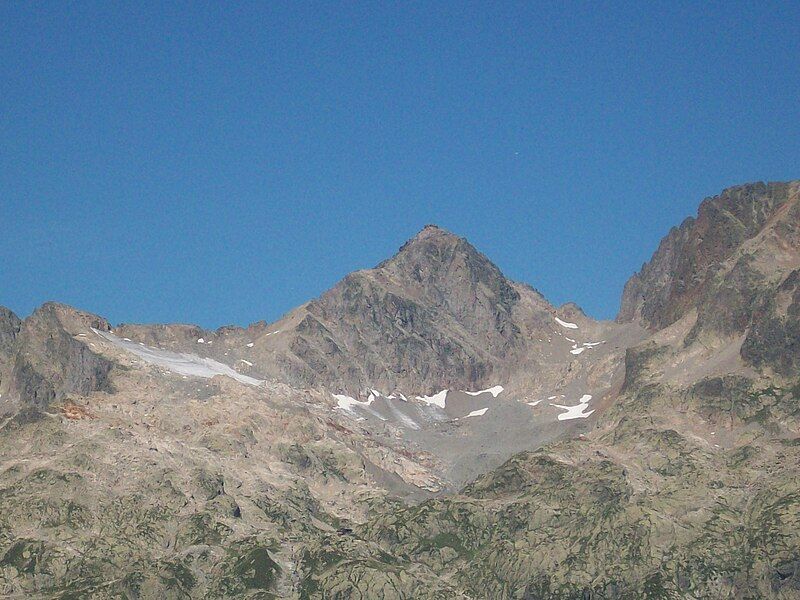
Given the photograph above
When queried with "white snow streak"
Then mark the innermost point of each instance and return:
(494, 391)
(477, 413)
(346, 402)
(575, 412)
(403, 418)
(566, 324)
(349, 404)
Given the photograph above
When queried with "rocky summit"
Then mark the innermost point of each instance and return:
(425, 429)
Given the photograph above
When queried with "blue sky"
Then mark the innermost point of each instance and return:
(224, 162)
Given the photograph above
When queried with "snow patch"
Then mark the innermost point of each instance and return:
(494, 391)
(566, 324)
(577, 350)
(437, 399)
(247, 362)
(477, 413)
(347, 403)
(250, 345)
(575, 412)
(201, 341)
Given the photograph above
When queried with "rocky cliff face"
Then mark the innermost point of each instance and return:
(46, 363)
(9, 328)
(684, 270)
(734, 268)
(438, 314)
(773, 340)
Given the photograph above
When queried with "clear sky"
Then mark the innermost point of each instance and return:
(224, 162)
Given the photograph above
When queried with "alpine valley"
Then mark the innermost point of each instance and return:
(426, 429)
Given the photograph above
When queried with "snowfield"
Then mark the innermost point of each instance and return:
(181, 363)
(477, 413)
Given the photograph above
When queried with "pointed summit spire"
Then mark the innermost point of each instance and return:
(430, 231)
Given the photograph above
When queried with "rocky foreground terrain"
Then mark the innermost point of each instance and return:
(425, 429)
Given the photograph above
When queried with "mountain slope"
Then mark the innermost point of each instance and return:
(655, 457)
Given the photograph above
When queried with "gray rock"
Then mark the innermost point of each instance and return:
(49, 364)
(9, 328)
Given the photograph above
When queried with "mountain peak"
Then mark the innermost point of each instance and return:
(436, 260)
(431, 229)
(438, 314)
(428, 233)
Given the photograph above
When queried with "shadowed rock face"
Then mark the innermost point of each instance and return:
(9, 328)
(774, 336)
(48, 363)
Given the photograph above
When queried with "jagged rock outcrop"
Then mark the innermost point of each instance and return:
(773, 339)
(9, 328)
(48, 364)
(691, 263)
(735, 266)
